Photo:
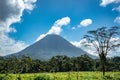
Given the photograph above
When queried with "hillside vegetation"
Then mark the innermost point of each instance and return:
(56, 64)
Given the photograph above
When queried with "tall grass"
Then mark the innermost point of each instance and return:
(62, 76)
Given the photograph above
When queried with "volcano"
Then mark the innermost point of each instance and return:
(49, 46)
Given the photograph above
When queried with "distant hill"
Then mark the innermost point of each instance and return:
(50, 46)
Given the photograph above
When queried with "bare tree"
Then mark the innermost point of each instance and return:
(104, 41)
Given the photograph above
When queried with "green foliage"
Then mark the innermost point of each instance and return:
(101, 42)
(19, 78)
(56, 64)
(63, 76)
(43, 77)
(1, 77)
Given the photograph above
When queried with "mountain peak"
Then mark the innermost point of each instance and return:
(52, 36)
(51, 45)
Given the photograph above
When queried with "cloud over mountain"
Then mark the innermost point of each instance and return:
(57, 27)
(91, 49)
(11, 12)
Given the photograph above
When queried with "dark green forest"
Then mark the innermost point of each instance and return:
(56, 64)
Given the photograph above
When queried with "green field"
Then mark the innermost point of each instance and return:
(62, 76)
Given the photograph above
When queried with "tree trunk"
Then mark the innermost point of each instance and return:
(103, 68)
(103, 62)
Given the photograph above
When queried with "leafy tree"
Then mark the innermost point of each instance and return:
(60, 63)
(86, 63)
(103, 40)
(116, 62)
(56, 64)
(82, 63)
(26, 63)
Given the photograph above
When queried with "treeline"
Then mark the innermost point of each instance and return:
(56, 64)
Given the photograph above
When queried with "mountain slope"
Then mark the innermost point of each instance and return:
(49, 46)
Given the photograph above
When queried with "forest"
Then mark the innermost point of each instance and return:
(58, 63)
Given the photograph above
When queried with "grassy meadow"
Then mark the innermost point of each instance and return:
(62, 76)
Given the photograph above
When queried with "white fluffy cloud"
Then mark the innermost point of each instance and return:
(80, 44)
(56, 28)
(11, 12)
(86, 22)
(92, 50)
(83, 23)
(116, 8)
(117, 19)
(104, 3)
(73, 28)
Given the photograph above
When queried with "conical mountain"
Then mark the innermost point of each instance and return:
(49, 46)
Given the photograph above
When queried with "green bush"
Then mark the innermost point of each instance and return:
(42, 78)
(108, 77)
(19, 78)
(1, 78)
(4, 78)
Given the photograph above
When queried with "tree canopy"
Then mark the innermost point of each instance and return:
(104, 41)
(56, 64)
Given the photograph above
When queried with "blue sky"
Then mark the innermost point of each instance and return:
(22, 22)
(46, 12)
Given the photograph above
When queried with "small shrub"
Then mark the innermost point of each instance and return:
(1, 78)
(108, 77)
(4, 78)
(19, 78)
(42, 78)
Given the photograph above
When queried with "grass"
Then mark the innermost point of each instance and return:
(62, 76)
